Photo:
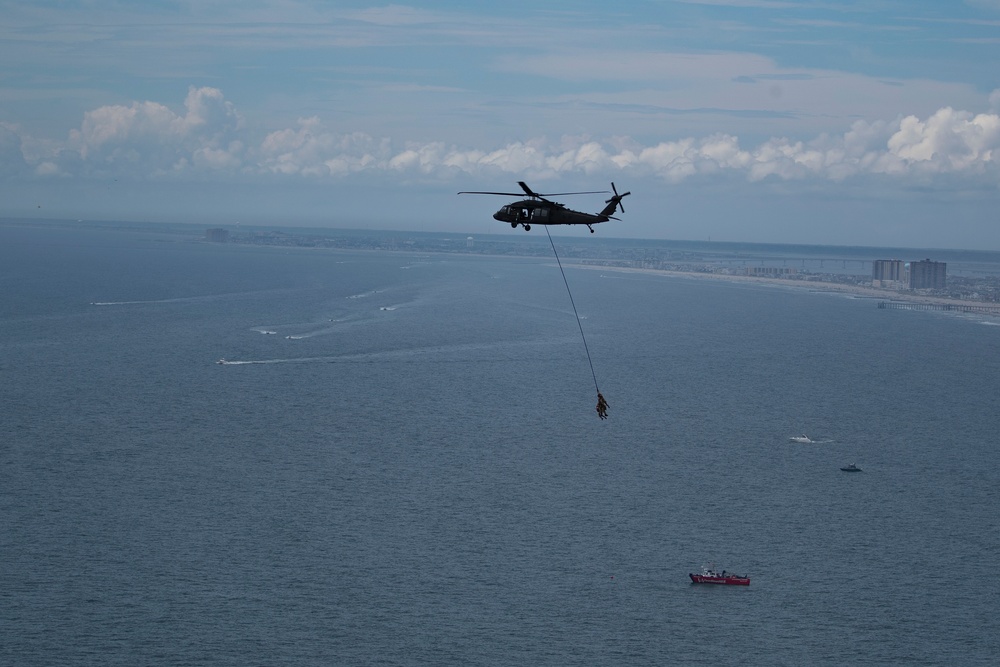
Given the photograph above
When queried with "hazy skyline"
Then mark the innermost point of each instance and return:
(828, 122)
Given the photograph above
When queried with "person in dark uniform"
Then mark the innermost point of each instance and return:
(602, 406)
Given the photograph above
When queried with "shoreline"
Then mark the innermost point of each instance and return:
(813, 285)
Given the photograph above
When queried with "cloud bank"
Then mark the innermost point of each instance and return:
(208, 138)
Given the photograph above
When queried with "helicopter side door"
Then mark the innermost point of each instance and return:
(540, 216)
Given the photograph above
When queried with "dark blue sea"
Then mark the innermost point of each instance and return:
(400, 463)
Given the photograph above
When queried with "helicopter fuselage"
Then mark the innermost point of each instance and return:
(537, 210)
(534, 212)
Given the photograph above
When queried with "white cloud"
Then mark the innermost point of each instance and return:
(151, 134)
(312, 150)
(948, 141)
(11, 153)
(48, 169)
(149, 140)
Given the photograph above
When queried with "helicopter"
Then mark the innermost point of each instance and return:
(537, 210)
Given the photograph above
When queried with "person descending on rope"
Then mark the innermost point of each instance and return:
(602, 406)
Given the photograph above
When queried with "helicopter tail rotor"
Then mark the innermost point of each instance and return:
(616, 201)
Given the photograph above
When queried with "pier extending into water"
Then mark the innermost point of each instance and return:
(954, 307)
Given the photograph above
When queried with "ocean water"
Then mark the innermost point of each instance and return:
(400, 463)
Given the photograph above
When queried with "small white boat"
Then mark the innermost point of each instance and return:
(800, 438)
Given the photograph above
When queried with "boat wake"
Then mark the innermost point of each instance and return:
(337, 324)
(182, 299)
(806, 440)
(257, 362)
(140, 302)
(513, 349)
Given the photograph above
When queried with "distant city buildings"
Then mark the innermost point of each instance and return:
(217, 235)
(688, 258)
(896, 274)
(926, 274)
(772, 271)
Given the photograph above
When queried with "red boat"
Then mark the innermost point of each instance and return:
(710, 576)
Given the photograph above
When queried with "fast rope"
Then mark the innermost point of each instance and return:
(579, 324)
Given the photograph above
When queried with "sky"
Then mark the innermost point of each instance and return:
(837, 122)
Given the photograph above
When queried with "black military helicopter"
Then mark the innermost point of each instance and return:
(537, 210)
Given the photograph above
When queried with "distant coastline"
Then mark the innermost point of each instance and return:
(810, 284)
(973, 276)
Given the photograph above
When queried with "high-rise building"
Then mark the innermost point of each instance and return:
(217, 235)
(888, 273)
(926, 274)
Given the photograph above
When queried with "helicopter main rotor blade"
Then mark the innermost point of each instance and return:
(505, 194)
(563, 194)
(542, 195)
(527, 190)
(531, 193)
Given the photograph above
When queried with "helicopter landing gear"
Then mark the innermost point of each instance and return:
(527, 228)
(513, 225)
(590, 228)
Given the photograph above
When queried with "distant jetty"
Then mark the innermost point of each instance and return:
(953, 307)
